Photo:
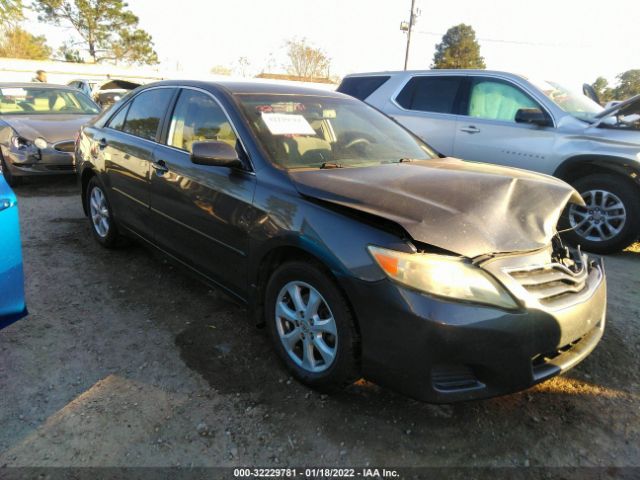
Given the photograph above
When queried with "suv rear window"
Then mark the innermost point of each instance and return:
(430, 94)
(361, 87)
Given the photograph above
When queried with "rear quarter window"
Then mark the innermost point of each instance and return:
(361, 87)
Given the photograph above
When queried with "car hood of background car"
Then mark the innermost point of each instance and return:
(463, 207)
(630, 106)
(53, 128)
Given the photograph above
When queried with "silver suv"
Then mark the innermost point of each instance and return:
(502, 118)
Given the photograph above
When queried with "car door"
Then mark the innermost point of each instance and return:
(488, 132)
(200, 213)
(127, 145)
(428, 106)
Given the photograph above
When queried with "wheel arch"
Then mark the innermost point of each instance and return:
(86, 176)
(273, 257)
(580, 166)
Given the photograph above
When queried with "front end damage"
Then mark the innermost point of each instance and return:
(446, 351)
(23, 157)
(433, 346)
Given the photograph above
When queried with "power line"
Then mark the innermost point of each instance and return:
(513, 42)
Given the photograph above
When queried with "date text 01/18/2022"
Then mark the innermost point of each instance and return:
(315, 473)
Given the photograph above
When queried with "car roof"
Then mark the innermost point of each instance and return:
(436, 72)
(34, 84)
(251, 87)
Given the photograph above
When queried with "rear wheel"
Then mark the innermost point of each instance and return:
(311, 326)
(101, 218)
(610, 221)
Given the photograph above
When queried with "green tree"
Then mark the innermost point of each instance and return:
(18, 43)
(10, 12)
(134, 46)
(307, 61)
(108, 30)
(458, 49)
(68, 53)
(602, 89)
(628, 85)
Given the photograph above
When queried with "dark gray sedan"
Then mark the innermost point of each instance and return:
(38, 127)
(362, 250)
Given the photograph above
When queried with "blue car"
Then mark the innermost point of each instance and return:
(12, 304)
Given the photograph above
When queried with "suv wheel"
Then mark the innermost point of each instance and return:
(101, 219)
(610, 221)
(311, 326)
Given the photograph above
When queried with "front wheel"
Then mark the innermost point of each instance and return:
(311, 326)
(610, 221)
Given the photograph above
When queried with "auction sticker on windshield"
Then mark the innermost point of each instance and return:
(287, 124)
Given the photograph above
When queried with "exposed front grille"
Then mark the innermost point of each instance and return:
(67, 147)
(551, 283)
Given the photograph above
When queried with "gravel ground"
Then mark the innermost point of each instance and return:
(126, 360)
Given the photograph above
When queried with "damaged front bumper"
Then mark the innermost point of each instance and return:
(445, 351)
(30, 160)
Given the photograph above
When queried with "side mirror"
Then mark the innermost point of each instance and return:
(533, 116)
(215, 154)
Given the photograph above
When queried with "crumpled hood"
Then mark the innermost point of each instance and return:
(53, 128)
(463, 207)
(628, 107)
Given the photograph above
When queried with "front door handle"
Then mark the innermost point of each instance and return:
(160, 167)
(102, 144)
(470, 129)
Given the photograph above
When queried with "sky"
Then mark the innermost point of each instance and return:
(566, 41)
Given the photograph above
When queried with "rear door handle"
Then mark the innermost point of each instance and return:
(470, 129)
(160, 167)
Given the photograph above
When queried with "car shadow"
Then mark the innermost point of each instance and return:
(49, 185)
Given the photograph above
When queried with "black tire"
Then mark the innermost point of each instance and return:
(629, 195)
(11, 179)
(344, 368)
(112, 237)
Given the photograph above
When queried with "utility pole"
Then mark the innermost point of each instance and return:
(407, 28)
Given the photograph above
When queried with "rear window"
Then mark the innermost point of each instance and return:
(361, 87)
(430, 94)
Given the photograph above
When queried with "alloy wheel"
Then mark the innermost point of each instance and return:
(603, 217)
(99, 212)
(306, 327)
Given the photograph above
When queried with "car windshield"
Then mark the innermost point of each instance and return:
(314, 131)
(573, 102)
(44, 101)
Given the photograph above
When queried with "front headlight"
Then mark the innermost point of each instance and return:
(19, 142)
(444, 276)
(40, 142)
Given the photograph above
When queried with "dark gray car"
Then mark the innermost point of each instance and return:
(38, 127)
(362, 251)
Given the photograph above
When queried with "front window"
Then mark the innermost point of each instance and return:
(198, 118)
(314, 131)
(497, 100)
(573, 102)
(44, 101)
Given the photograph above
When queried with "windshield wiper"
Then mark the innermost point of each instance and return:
(327, 165)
